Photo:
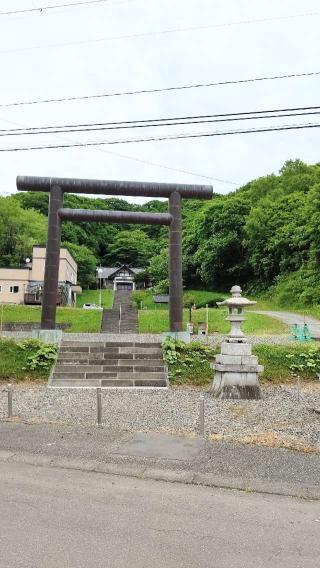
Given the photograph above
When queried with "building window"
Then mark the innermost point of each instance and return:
(14, 289)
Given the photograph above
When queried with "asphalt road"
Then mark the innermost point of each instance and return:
(290, 318)
(55, 518)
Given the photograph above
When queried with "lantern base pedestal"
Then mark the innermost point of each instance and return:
(236, 372)
(237, 392)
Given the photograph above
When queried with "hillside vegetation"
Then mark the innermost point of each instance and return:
(264, 236)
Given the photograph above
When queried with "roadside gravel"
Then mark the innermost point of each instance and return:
(279, 419)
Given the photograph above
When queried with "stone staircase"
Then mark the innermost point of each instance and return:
(123, 318)
(109, 364)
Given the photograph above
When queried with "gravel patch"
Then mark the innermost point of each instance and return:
(216, 339)
(277, 420)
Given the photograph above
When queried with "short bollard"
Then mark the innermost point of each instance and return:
(9, 391)
(99, 407)
(201, 417)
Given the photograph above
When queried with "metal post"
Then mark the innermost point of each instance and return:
(9, 391)
(201, 416)
(51, 273)
(207, 322)
(99, 407)
(175, 264)
(1, 321)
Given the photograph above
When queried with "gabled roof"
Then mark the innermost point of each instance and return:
(109, 271)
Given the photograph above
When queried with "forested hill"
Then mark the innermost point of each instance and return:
(264, 234)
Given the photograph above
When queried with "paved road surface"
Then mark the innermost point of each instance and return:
(290, 319)
(161, 456)
(54, 518)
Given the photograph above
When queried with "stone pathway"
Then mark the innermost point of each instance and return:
(290, 318)
(122, 306)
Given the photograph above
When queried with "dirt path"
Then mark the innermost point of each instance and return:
(290, 319)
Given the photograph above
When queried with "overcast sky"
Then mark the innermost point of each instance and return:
(33, 67)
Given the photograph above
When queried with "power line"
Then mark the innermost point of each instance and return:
(160, 90)
(142, 161)
(186, 117)
(161, 138)
(161, 32)
(53, 7)
(32, 131)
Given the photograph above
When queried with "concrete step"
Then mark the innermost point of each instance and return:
(78, 368)
(133, 369)
(96, 349)
(109, 364)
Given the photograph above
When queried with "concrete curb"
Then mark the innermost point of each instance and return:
(189, 477)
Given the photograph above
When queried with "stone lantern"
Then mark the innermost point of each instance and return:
(236, 369)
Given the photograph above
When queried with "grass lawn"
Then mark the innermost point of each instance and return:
(157, 321)
(86, 321)
(93, 297)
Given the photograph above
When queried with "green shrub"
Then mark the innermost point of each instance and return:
(307, 361)
(137, 297)
(39, 355)
(188, 363)
(26, 361)
(210, 303)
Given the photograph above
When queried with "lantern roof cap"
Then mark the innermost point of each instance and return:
(236, 300)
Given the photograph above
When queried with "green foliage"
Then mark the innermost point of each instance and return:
(86, 261)
(188, 363)
(20, 230)
(39, 355)
(263, 236)
(307, 361)
(279, 362)
(14, 362)
(158, 270)
(130, 247)
(137, 297)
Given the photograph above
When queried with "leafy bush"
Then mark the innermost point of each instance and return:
(307, 361)
(188, 363)
(137, 298)
(39, 355)
(210, 303)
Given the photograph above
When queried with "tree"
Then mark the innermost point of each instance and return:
(158, 270)
(133, 247)
(20, 230)
(86, 261)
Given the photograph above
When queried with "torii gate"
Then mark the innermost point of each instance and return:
(56, 187)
